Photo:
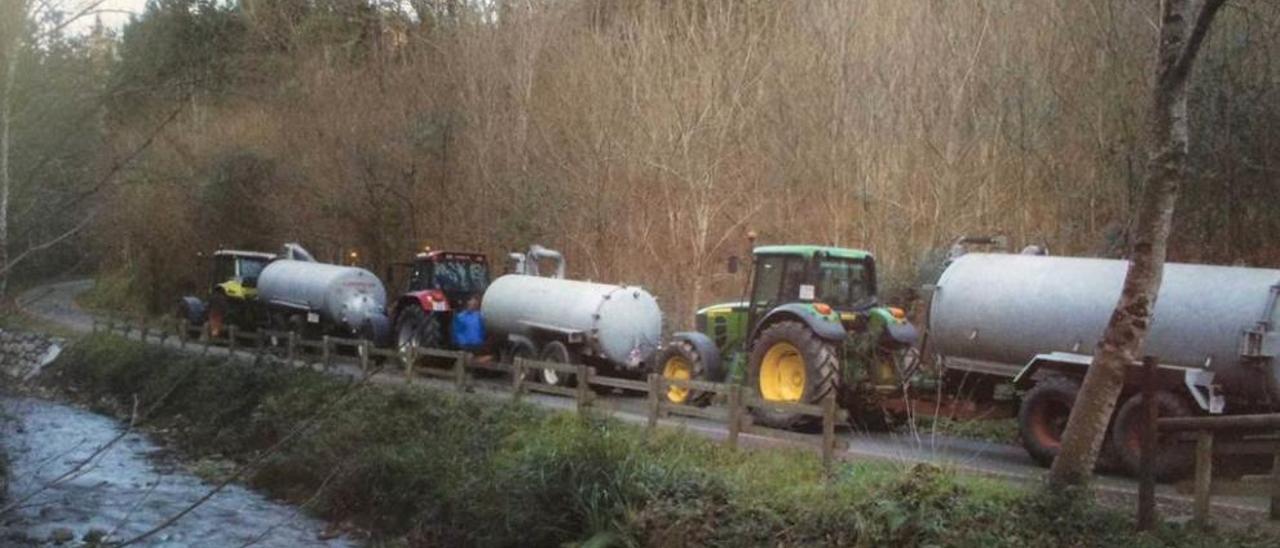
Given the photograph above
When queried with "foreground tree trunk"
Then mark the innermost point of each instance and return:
(12, 19)
(1182, 30)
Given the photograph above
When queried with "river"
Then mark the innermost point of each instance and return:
(125, 490)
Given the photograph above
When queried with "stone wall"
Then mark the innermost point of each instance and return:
(24, 353)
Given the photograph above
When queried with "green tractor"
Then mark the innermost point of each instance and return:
(811, 328)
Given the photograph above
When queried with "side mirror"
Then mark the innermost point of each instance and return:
(733, 264)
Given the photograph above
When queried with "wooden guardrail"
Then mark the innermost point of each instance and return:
(1244, 435)
(732, 401)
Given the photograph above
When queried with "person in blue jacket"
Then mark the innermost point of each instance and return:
(468, 326)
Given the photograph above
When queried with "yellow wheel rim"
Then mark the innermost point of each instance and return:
(680, 369)
(782, 374)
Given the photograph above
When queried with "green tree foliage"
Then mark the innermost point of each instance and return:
(178, 48)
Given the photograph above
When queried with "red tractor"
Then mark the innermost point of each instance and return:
(438, 284)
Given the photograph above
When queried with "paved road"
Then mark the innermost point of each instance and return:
(56, 303)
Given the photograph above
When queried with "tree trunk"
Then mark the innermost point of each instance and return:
(9, 56)
(1180, 39)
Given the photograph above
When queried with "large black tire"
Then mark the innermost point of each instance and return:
(782, 344)
(1173, 460)
(1043, 416)
(516, 349)
(414, 328)
(680, 360)
(556, 351)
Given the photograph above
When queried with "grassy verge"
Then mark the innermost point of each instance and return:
(432, 468)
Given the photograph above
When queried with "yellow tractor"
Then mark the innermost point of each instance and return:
(233, 281)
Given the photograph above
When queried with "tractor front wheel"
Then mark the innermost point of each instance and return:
(791, 364)
(681, 361)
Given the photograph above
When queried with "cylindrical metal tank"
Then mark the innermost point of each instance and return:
(1008, 308)
(342, 295)
(621, 324)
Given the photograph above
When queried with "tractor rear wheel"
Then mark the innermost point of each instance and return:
(681, 361)
(408, 332)
(556, 352)
(791, 364)
(1172, 459)
(1043, 417)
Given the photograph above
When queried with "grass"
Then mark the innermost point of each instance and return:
(427, 468)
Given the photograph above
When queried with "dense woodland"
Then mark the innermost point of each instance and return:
(643, 138)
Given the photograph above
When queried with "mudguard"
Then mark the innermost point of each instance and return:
(707, 350)
(825, 327)
(378, 331)
(901, 334)
(193, 310)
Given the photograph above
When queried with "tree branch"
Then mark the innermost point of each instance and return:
(1204, 20)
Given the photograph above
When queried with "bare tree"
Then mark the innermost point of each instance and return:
(1182, 31)
(13, 19)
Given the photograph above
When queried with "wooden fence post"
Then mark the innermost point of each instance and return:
(326, 352)
(291, 348)
(517, 379)
(1275, 487)
(231, 340)
(735, 414)
(828, 432)
(584, 387)
(1147, 474)
(185, 334)
(460, 371)
(363, 349)
(655, 404)
(1204, 476)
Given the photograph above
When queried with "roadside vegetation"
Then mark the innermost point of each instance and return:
(422, 467)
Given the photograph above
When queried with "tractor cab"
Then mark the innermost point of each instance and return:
(455, 276)
(235, 273)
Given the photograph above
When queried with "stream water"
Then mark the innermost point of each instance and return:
(124, 490)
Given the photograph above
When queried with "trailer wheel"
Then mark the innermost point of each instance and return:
(790, 364)
(1043, 417)
(680, 360)
(556, 351)
(516, 349)
(1172, 459)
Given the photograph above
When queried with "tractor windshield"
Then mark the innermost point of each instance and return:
(844, 283)
(250, 269)
(460, 277)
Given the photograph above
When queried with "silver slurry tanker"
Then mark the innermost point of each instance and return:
(347, 297)
(617, 324)
(1008, 314)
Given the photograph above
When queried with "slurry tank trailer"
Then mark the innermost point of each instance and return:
(617, 327)
(1037, 320)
